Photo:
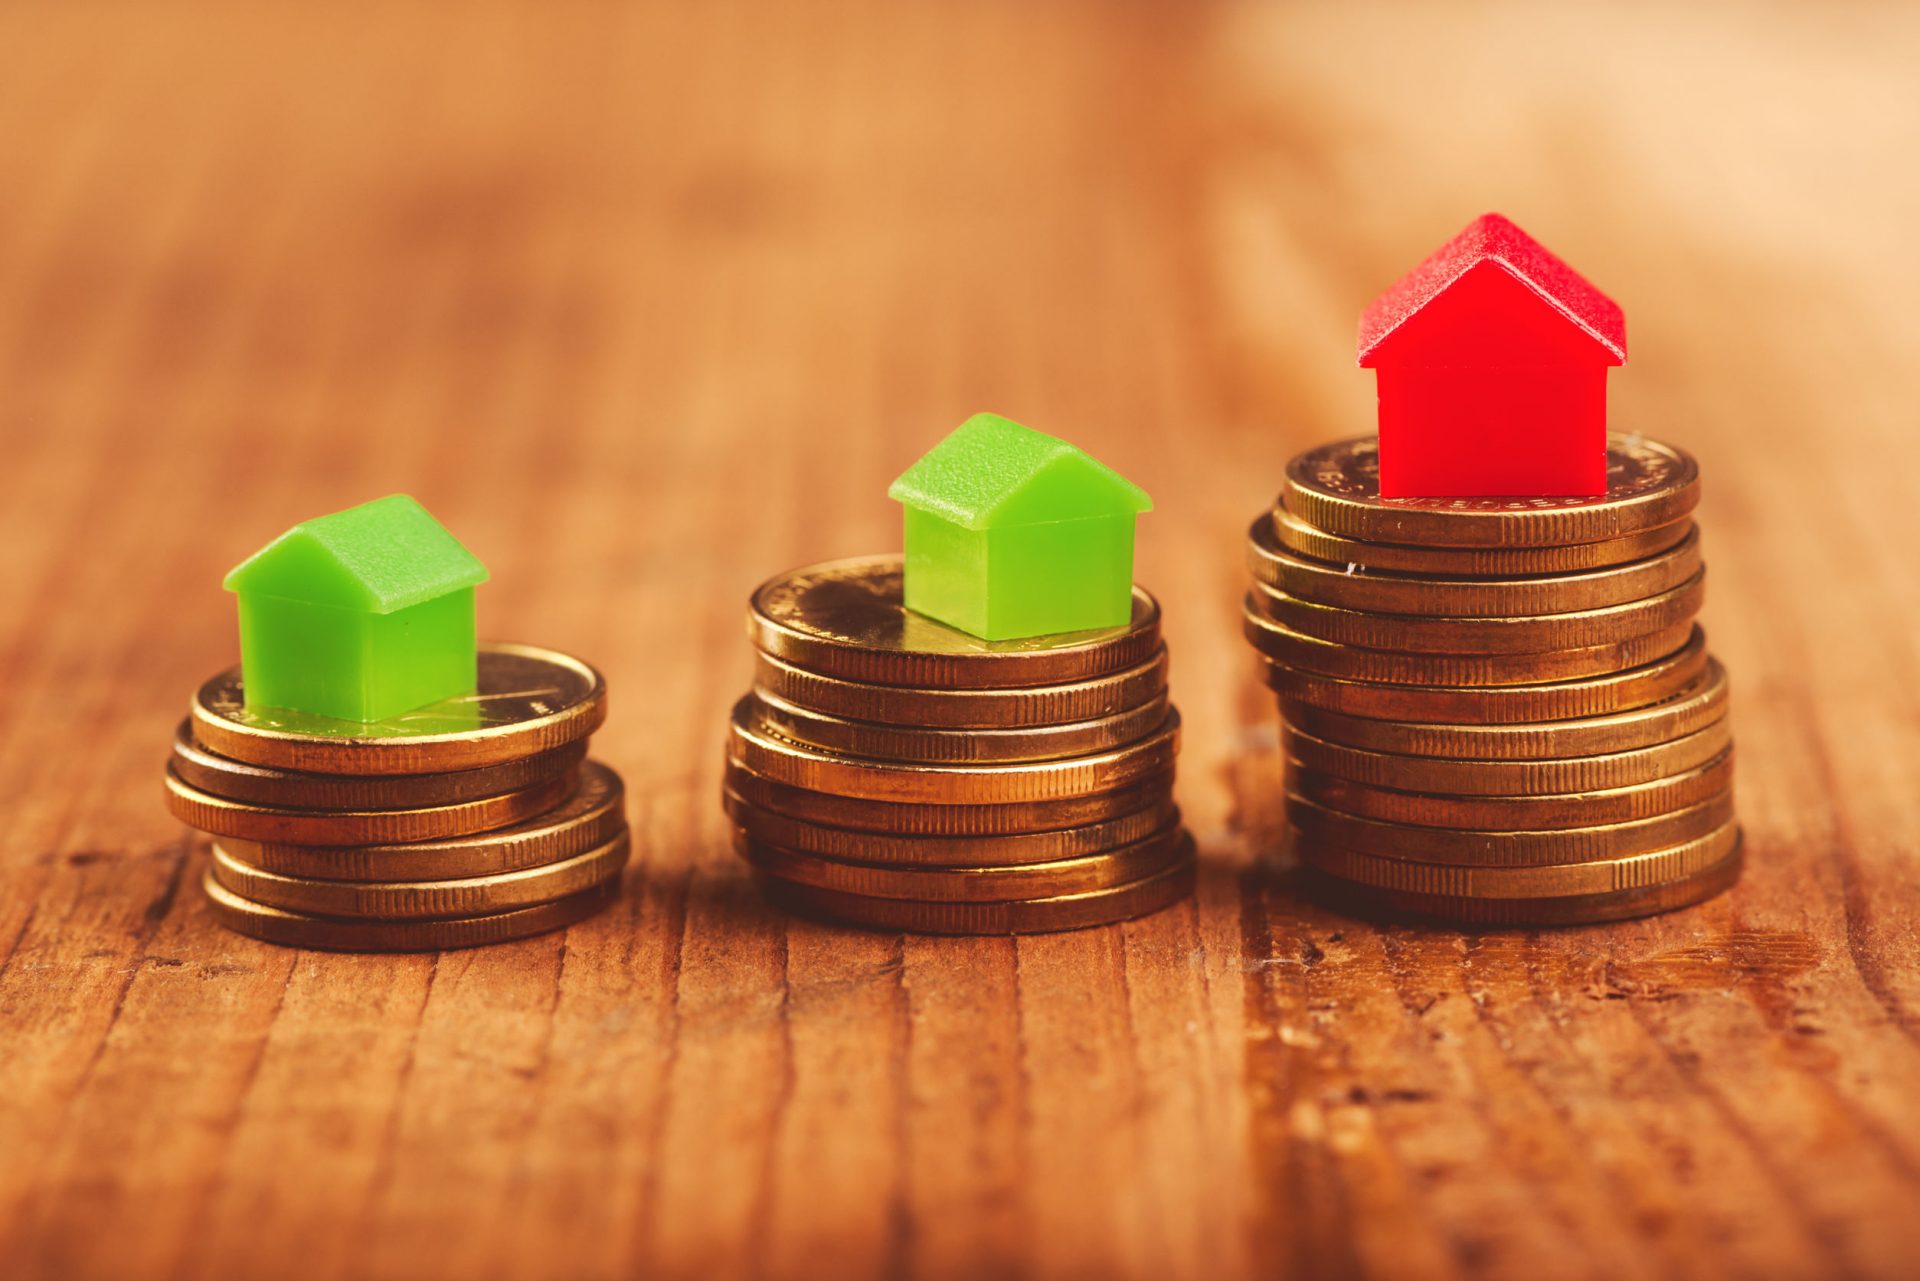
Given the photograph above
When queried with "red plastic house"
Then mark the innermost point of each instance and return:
(1492, 360)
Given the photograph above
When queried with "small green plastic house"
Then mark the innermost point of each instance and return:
(1011, 533)
(360, 615)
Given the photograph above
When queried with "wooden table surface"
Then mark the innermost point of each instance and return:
(650, 302)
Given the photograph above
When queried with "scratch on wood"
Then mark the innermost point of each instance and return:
(1728, 960)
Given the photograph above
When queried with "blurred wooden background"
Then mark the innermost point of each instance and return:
(649, 302)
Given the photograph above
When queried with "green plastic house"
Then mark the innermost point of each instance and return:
(360, 615)
(1011, 533)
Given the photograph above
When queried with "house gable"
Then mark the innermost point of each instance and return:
(1494, 296)
(378, 558)
(991, 472)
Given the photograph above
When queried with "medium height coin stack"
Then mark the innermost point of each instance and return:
(891, 772)
(1496, 711)
(471, 821)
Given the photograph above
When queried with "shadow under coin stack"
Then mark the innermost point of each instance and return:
(470, 821)
(1497, 711)
(891, 772)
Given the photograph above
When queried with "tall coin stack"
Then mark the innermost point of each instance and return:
(1496, 711)
(891, 772)
(471, 821)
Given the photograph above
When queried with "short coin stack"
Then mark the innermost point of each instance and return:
(1497, 711)
(891, 772)
(471, 821)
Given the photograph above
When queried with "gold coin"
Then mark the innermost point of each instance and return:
(1378, 592)
(964, 708)
(1337, 487)
(291, 789)
(848, 845)
(1510, 778)
(528, 701)
(753, 748)
(1532, 634)
(592, 816)
(334, 934)
(1299, 537)
(1496, 705)
(897, 743)
(1516, 813)
(1284, 646)
(1028, 916)
(1082, 875)
(889, 818)
(1694, 707)
(1508, 849)
(422, 900)
(846, 619)
(1514, 913)
(222, 817)
(1597, 876)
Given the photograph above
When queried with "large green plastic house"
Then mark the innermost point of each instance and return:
(360, 615)
(1011, 533)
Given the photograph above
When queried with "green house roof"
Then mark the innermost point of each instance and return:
(991, 471)
(378, 557)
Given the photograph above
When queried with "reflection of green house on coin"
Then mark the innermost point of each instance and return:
(360, 615)
(1011, 533)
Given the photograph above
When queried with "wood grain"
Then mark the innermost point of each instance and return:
(649, 302)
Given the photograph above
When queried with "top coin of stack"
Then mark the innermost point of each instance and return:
(1498, 711)
(890, 771)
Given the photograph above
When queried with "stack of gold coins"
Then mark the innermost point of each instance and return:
(471, 821)
(1497, 711)
(891, 772)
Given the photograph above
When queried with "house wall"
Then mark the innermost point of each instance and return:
(303, 656)
(1063, 576)
(354, 666)
(422, 654)
(946, 571)
(1479, 431)
(1027, 580)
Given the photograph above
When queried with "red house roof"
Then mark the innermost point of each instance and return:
(1492, 239)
